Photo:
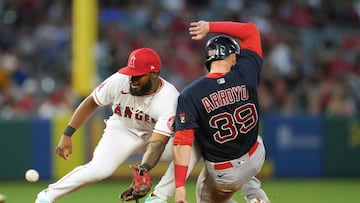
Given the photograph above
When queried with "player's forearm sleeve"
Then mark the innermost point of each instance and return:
(180, 175)
(248, 33)
(184, 137)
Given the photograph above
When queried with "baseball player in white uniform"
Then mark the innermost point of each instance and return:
(143, 105)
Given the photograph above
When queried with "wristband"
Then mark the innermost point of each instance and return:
(180, 175)
(69, 131)
(145, 166)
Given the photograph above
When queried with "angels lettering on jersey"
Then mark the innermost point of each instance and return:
(129, 112)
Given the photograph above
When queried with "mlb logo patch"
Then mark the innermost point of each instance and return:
(221, 81)
(212, 52)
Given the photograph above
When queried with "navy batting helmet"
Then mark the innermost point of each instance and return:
(219, 47)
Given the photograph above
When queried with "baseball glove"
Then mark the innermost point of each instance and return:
(140, 186)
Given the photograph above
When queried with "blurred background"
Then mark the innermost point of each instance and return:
(54, 52)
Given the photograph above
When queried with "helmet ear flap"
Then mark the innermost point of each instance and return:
(219, 47)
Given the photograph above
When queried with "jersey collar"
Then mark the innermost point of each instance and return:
(215, 75)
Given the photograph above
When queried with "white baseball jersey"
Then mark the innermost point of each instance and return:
(127, 130)
(139, 115)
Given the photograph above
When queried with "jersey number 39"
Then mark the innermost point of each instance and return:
(245, 115)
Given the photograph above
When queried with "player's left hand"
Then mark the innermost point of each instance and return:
(198, 30)
(140, 185)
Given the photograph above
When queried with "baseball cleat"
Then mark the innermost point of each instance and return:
(152, 198)
(42, 198)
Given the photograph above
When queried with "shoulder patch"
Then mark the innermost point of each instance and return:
(182, 117)
(170, 123)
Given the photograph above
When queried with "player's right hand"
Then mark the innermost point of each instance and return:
(64, 148)
(180, 195)
(198, 30)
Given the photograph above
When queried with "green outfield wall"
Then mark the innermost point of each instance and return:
(297, 146)
(342, 147)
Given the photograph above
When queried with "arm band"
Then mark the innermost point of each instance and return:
(69, 131)
(180, 175)
(184, 137)
(145, 166)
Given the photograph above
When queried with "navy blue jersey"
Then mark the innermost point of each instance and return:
(223, 110)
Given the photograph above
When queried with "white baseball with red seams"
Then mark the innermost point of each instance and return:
(32, 175)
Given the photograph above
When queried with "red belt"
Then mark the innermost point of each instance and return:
(228, 164)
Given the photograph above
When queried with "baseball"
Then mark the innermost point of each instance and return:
(32, 175)
(2, 198)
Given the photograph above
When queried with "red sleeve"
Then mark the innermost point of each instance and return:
(248, 34)
(184, 137)
(180, 175)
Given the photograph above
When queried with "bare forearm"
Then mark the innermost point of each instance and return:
(153, 153)
(83, 112)
(182, 154)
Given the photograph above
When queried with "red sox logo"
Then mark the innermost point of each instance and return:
(182, 117)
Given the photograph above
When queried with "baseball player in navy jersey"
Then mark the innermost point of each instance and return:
(218, 49)
(221, 112)
(144, 107)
